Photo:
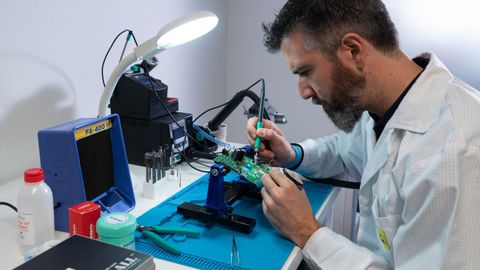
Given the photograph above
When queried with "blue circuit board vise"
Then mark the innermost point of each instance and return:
(221, 195)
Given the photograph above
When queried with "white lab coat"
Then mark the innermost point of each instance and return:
(420, 182)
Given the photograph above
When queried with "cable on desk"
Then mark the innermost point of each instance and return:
(9, 205)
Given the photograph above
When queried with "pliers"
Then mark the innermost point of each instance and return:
(153, 233)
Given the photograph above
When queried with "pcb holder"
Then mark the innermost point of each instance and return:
(222, 195)
(85, 160)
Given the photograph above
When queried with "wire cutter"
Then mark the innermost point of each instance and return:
(153, 233)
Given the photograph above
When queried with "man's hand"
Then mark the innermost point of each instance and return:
(287, 208)
(274, 144)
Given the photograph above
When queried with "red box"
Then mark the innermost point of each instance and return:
(82, 219)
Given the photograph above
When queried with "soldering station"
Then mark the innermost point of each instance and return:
(150, 119)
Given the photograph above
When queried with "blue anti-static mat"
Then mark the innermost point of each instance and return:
(264, 248)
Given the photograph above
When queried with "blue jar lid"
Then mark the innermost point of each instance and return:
(116, 224)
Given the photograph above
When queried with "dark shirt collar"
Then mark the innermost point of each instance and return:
(381, 122)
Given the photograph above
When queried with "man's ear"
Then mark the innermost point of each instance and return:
(352, 51)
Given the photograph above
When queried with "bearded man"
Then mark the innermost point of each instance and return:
(409, 133)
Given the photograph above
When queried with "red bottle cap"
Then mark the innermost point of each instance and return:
(33, 175)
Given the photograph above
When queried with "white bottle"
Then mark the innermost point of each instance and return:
(35, 210)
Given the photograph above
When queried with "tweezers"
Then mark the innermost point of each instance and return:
(298, 184)
(234, 251)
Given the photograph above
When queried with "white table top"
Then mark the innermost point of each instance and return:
(10, 248)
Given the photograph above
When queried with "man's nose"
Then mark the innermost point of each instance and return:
(305, 90)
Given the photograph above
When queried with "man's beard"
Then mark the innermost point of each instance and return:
(343, 106)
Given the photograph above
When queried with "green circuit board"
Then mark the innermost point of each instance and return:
(237, 161)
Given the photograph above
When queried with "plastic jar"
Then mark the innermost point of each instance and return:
(117, 228)
(35, 210)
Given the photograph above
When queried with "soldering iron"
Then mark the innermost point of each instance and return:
(258, 140)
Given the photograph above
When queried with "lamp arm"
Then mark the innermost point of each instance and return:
(112, 82)
(148, 49)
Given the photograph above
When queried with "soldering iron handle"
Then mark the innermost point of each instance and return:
(258, 140)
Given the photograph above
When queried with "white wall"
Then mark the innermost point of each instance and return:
(448, 28)
(51, 53)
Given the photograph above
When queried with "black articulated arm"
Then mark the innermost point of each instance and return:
(231, 106)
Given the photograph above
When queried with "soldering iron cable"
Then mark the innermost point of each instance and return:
(210, 137)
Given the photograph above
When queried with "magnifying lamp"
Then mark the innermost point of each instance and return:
(177, 32)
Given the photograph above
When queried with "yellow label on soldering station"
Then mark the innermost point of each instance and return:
(92, 129)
